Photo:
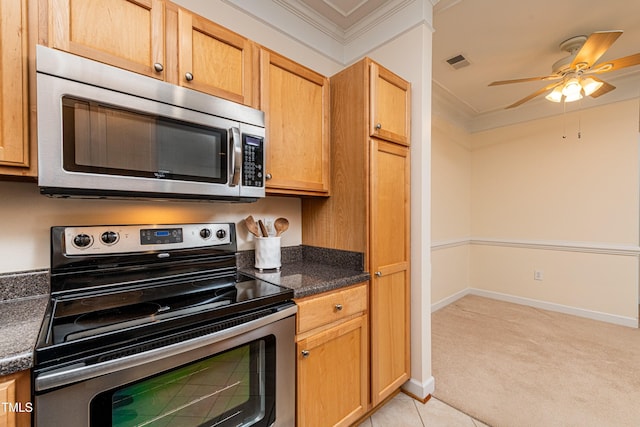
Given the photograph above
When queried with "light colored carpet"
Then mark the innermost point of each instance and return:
(510, 365)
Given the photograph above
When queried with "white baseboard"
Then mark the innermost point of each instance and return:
(450, 299)
(420, 389)
(589, 314)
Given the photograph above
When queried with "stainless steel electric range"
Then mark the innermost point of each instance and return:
(151, 325)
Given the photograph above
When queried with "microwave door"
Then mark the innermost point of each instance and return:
(98, 142)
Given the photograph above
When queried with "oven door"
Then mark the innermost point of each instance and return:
(242, 376)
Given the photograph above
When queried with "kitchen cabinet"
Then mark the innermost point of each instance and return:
(369, 211)
(215, 60)
(295, 100)
(161, 40)
(389, 105)
(14, 101)
(390, 352)
(128, 34)
(332, 368)
(15, 391)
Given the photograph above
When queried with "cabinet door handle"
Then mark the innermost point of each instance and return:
(305, 353)
(188, 76)
(338, 307)
(158, 67)
(268, 176)
(378, 126)
(378, 274)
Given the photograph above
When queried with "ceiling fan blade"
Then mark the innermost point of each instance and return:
(605, 88)
(533, 95)
(616, 64)
(528, 79)
(595, 46)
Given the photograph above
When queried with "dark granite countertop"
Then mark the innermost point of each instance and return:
(310, 270)
(23, 301)
(24, 296)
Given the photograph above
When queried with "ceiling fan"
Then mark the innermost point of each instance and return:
(576, 71)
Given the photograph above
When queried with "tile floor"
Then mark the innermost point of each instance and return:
(403, 411)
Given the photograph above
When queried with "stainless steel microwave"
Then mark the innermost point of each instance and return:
(107, 132)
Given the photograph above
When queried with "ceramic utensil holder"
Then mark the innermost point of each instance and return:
(267, 253)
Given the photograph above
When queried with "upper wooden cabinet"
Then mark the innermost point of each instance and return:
(125, 33)
(161, 40)
(215, 60)
(14, 118)
(295, 100)
(389, 105)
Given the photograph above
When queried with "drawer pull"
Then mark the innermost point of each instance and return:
(158, 67)
(338, 307)
(188, 76)
(305, 353)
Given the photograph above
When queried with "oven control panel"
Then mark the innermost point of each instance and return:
(137, 238)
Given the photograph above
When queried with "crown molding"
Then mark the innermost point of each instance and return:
(303, 24)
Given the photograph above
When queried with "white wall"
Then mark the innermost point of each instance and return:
(566, 207)
(26, 217)
(451, 210)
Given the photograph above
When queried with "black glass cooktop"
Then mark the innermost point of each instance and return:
(94, 323)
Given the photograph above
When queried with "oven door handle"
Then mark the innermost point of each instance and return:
(72, 374)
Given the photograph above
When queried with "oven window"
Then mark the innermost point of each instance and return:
(99, 138)
(233, 388)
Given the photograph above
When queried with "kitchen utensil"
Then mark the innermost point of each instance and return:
(252, 226)
(263, 229)
(281, 225)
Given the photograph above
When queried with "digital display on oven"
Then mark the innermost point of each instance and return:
(160, 236)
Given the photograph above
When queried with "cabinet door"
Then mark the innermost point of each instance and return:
(215, 60)
(390, 105)
(389, 309)
(332, 375)
(14, 141)
(296, 104)
(16, 393)
(125, 33)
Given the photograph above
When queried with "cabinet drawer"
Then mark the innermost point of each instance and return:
(319, 310)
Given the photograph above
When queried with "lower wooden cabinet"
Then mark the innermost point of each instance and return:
(332, 361)
(15, 395)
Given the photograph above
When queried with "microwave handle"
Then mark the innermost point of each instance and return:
(235, 146)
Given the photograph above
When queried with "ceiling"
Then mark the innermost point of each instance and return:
(501, 39)
(506, 39)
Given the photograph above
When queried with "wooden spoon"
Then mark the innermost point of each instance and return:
(252, 226)
(263, 229)
(281, 225)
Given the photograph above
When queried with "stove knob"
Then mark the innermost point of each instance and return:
(205, 233)
(109, 237)
(221, 234)
(82, 241)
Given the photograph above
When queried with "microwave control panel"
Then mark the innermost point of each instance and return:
(253, 161)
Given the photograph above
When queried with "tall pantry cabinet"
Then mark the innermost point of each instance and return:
(369, 207)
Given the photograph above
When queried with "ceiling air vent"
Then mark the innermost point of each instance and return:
(458, 61)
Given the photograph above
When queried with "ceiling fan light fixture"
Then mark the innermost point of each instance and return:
(555, 95)
(572, 88)
(573, 97)
(589, 85)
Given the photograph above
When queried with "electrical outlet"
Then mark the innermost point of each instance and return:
(538, 275)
